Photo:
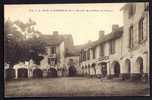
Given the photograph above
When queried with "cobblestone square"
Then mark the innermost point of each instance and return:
(74, 86)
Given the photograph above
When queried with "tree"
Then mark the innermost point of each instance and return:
(12, 38)
(17, 47)
(37, 46)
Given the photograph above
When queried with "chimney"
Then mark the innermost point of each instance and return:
(89, 41)
(115, 27)
(101, 34)
(55, 33)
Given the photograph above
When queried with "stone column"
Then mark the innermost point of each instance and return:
(146, 67)
(29, 73)
(98, 71)
(108, 70)
(16, 73)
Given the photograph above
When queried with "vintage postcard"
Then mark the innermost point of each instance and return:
(89, 49)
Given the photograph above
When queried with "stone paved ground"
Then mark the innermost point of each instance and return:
(74, 86)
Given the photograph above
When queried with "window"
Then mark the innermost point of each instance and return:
(94, 52)
(101, 50)
(49, 61)
(84, 56)
(146, 6)
(131, 11)
(81, 56)
(88, 54)
(112, 47)
(131, 45)
(53, 50)
(141, 31)
(52, 61)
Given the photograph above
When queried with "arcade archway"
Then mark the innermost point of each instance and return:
(22, 73)
(72, 70)
(94, 68)
(37, 73)
(10, 73)
(103, 66)
(128, 66)
(139, 65)
(52, 72)
(116, 68)
(88, 69)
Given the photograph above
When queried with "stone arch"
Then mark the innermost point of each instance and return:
(139, 65)
(94, 67)
(52, 72)
(89, 69)
(10, 73)
(128, 65)
(116, 68)
(82, 68)
(103, 66)
(37, 73)
(86, 67)
(22, 73)
(72, 70)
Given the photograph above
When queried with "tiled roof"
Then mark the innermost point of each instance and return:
(52, 40)
(57, 39)
(108, 37)
(72, 52)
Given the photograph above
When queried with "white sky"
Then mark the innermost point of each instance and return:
(82, 25)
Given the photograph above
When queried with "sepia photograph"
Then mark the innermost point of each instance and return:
(84, 49)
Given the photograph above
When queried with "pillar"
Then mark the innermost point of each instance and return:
(146, 67)
(16, 73)
(98, 71)
(109, 70)
(30, 73)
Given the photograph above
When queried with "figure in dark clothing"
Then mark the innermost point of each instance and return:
(72, 71)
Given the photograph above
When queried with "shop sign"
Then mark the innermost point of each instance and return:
(103, 58)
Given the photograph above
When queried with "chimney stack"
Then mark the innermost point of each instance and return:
(101, 34)
(55, 33)
(115, 27)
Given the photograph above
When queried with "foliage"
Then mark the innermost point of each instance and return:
(22, 42)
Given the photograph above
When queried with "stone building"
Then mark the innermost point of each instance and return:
(55, 56)
(59, 57)
(102, 57)
(124, 53)
(136, 40)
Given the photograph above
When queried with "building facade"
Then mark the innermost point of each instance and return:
(101, 59)
(124, 53)
(57, 61)
(136, 40)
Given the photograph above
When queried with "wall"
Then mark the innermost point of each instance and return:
(62, 54)
(140, 50)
